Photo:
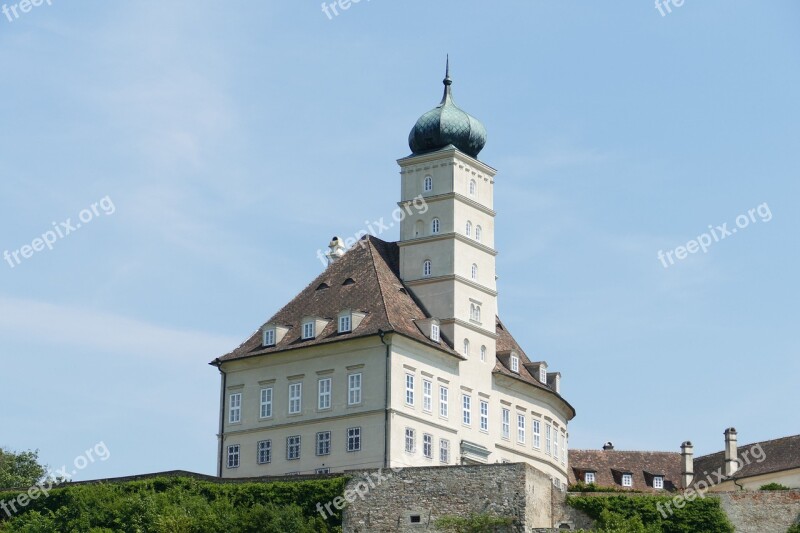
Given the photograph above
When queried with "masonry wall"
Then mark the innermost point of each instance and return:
(761, 511)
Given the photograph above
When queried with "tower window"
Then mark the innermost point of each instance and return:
(435, 225)
(469, 229)
(478, 233)
(473, 187)
(483, 353)
(474, 272)
(428, 184)
(427, 266)
(475, 313)
(466, 347)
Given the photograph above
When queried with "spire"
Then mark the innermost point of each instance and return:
(447, 96)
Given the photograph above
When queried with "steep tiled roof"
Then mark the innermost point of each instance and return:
(774, 455)
(609, 465)
(365, 279)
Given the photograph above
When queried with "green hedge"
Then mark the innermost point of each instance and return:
(180, 505)
(701, 514)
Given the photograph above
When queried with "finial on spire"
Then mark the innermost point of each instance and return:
(447, 80)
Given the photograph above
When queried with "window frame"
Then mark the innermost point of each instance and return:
(627, 480)
(293, 443)
(266, 396)
(354, 439)
(427, 446)
(536, 431)
(483, 353)
(484, 415)
(264, 452)
(474, 272)
(435, 226)
(427, 184)
(521, 428)
(427, 268)
(466, 409)
(658, 482)
(444, 451)
(235, 408)
(473, 187)
(587, 476)
(427, 395)
(323, 443)
(515, 363)
(410, 440)
(478, 233)
(234, 456)
(444, 402)
(324, 397)
(309, 330)
(298, 398)
(345, 323)
(410, 386)
(436, 333)
(468, 229)
(269, 337)
(505, 421)
(354, 391)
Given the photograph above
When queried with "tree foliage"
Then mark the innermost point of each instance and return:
(475, 523)
(20, 469)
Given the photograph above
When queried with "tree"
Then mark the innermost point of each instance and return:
(20, 470)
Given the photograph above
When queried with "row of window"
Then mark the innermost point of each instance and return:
(427, 445)
(427, 185)
(427, 271)
(322, 447)
(466, 350)
(295, 397)
(436, 227)
(308, 329)
(627, 480)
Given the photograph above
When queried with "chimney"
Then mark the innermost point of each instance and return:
(731, 452)
(687, 457)
(336, 250)
(608, 446)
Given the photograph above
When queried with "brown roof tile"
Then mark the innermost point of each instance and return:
(609, 465)
(756, 459)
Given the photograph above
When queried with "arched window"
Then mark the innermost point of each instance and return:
(474, 272)
(475, 312)
(483, 353)
(426, 267)
(428, 184)
(466, 347)
(469, 229)
(478, 233)
(478, 313)
(473, 187)
(435, 225)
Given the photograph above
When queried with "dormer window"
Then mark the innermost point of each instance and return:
(658, 482)
(543, 374)
(515, 363)
(627, 480)
(588, 477)
(308, 330)
(435, 334)
(345, 324)
(269, 337)
(427, 185)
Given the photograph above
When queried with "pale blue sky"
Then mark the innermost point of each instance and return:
(234, 139)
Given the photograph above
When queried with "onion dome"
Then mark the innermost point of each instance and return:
(447, 125)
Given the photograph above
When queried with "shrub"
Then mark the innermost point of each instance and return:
(774, 486)
(475, 523)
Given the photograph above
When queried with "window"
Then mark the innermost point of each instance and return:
(478, 233)
(264, 452)
(563, 449)
(627, 480)
(233, 456)
(506, 419)
(322, 471)
(427, 445)
(548, 438)
(475, 312)
(474, 272)
(555, 445)
(444, 451)
(484, 415)
(426, 268)
(435, 332)
(353, 439)
(514, 363)
(345, 324)
(308, 330)
(472, 187)
(443, 405)
(409, 389)
(410, 440)
(588, 477)
(435, 225)
(354, 389)
(537, 434)
(295, 396)
(466, 347)
(293, 447)
(324, 443)
(466, 409)
(427, 184)
(266, 402)
(468, 229)
(324, 394)
(658, 482)
(427, 395)
(235, 406)
(269, 337)
(543, 374)
(521, 429)
(483, 353)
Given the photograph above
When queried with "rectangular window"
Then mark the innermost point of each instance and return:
(266, 402)
(344, 324)
(563, 449)
(353, 439)
(514, 363)
(627, 480)
(555, 444)
(588, 477)
(444, 409)
(484, 415)
(322, 471)
(435, 332)
(410, 440)
(521, 429)
(308, 330)
(354, 389)
(409, 389)
(427, 395)
(427, 445)
(324, 443)
(466, 409)
(547, 438)
(293, 447)
(658, 482)
(235, 407)
(269, 337)
(233, 456)
(537, 434)
(444, 451)
(324, 394)
(295, 397)
(264, 452)
(506, 420)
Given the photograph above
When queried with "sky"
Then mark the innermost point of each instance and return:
(168, 171)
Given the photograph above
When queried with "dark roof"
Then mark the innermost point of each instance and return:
(375, 289)
(610, 465)
(775, 456)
